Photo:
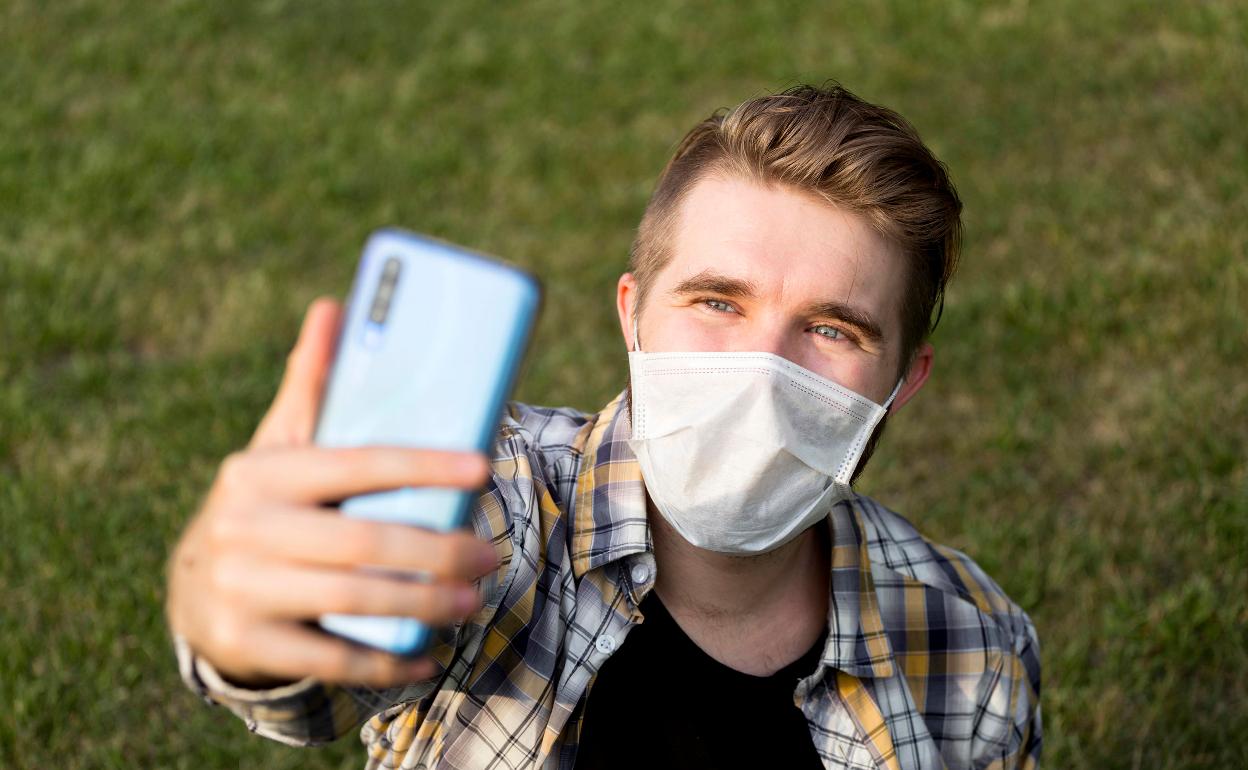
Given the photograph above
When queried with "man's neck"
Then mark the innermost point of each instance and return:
(755, 614)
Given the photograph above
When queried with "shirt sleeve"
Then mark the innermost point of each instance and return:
(1009, 733)
(303, 713)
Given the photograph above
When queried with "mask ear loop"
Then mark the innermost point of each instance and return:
(636, 345)
(843, 476)
(896, 390)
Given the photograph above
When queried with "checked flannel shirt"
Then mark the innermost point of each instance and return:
(928, 664)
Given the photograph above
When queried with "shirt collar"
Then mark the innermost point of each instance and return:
(857, 643)
(609, 522)
(609, 519)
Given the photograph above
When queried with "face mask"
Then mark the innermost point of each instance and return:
(742, 452)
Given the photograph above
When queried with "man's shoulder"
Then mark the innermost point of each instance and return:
(535, 462)
(536, 458)
(546, 429)
(973, 655)
(896, 545)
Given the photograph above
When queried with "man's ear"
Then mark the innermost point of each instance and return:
(625, 299)
(916, 375)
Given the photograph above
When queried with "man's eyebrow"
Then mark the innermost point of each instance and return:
(710, 282)
(847, 314)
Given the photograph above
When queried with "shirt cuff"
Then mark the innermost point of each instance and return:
(203, 678)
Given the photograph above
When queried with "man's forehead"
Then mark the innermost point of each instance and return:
(783, 243)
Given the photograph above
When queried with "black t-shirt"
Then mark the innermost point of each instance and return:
(661, 701)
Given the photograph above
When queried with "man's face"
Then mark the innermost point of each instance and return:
(769, 269)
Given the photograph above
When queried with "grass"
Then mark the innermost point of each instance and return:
(178, 181)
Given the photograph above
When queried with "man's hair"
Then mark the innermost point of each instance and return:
(829, 143)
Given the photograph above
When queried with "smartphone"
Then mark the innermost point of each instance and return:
(430, 346)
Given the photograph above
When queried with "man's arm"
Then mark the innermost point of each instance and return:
(298, 714)
(308, 712)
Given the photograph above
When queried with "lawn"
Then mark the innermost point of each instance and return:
(178, 180)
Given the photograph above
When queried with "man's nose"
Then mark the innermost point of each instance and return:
(767, 336)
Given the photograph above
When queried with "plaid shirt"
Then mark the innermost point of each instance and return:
(928, 664)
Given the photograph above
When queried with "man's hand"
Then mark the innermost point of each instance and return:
(263, 555)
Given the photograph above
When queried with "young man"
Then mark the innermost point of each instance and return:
(684, 578)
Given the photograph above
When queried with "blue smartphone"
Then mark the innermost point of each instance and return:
(430, 345)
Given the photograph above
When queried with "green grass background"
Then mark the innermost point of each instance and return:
(178, 180)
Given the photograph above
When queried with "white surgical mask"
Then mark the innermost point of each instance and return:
(742, 452)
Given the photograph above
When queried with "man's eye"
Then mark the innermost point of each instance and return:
(719, 306)
(831, 332)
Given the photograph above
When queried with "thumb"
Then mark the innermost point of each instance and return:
(292, 415)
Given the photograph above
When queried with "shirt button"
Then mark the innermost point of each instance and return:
(640, 574)
(605, 644)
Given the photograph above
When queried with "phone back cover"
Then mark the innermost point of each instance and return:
(434, 375)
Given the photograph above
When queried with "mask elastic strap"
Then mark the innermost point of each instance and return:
(896, 390)
(636, 347)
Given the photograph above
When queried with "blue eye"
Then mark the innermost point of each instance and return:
(831, 332)
(719, 306)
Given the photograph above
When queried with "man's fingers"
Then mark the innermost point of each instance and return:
(292, 416)
(294, 592)
(311, 474)
(312, 537)
(291, 651)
